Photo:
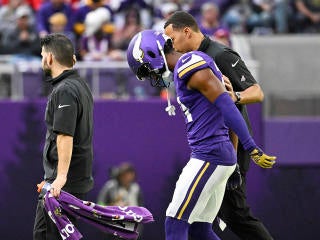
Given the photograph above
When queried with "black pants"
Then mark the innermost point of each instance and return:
(236, 214)
(44, 228)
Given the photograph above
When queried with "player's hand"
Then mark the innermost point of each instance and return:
(235, 179)
(262, 159)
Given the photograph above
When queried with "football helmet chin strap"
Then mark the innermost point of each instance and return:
(170, 109)
(167, 78)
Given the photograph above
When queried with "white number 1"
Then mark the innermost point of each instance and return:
(185, 110)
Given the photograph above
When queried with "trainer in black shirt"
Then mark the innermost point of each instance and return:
(67, 154)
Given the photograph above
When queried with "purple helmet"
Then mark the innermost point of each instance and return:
(145, 56)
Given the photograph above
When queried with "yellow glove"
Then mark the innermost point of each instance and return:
(262, 159)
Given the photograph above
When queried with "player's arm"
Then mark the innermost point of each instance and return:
(211, 87)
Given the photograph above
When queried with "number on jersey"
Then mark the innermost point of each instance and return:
(185, 110)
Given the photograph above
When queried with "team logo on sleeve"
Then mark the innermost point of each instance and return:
(189, 63)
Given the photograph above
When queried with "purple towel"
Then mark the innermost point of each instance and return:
(119, 221)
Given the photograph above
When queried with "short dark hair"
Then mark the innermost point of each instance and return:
(60, 46)
(181, 19)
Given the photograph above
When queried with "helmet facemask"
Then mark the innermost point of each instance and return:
(155, 76)
(152, 60)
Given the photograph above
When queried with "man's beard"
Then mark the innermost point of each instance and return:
(47, 73)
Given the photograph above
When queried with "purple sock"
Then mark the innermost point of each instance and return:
(176, 229)
(203, 231)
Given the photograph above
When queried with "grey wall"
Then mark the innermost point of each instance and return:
(289, 68)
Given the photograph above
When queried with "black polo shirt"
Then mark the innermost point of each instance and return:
(69, 111)
(231, 65)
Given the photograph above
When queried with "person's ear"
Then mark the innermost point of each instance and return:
(49, 59)
(187, 32)
(74, 59)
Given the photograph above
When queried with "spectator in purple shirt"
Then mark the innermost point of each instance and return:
(49, 8)
(58, 23)
(210, 22)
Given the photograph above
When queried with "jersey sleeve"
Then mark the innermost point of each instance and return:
(232, 66)
(190, 63)
(65, 112)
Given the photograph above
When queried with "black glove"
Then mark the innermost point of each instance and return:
(235, 179)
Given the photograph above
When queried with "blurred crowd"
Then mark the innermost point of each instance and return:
(102, 29)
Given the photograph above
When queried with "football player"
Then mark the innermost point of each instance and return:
(243, 88)
(209, 112)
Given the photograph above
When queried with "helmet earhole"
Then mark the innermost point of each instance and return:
(151, 54)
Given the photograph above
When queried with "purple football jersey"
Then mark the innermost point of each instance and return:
(204, 122)
(116, 220)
